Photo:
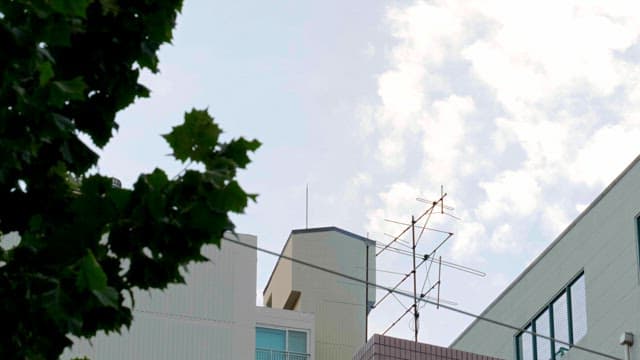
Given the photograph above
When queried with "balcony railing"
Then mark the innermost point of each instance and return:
(268, 354)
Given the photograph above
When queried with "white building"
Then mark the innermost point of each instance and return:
(284, 335)
(338, 303)
(212, 316)
(583, 289)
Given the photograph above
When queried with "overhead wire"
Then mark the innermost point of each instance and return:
(401, 303)
(390, 272)
(425, 300)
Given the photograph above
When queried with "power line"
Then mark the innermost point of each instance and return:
(446, 307)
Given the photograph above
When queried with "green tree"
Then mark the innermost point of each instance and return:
(67, 67)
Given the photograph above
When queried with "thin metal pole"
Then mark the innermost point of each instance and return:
(306, 212)
(439, 279)
(415, 290)
(366, 297)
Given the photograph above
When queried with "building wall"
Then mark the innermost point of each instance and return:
(602, 242)
(281, 280)
(338, 303)
(388, 348)
(211, 317)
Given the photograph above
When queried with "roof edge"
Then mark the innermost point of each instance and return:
(313, 230)
(549, 247)
(336, 229)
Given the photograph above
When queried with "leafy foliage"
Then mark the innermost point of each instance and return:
(67, 67)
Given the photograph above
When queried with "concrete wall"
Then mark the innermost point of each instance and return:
(281, 280)
(338, 303)
(212, 317)
(602, 242)
(287, 319)
(388, 348)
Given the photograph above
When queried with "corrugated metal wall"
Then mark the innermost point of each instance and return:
(210, 318)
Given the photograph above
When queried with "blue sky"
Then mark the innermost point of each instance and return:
(523, 111)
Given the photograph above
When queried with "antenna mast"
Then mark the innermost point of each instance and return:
(306, 212)
(427, 259)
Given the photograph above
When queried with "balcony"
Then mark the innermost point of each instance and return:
(268, 354)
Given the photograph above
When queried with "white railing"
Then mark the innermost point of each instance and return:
(268, 354)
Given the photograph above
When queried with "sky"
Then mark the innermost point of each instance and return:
(522, 111)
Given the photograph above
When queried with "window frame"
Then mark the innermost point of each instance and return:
(531, 323)
(637, 219)
(286, 336)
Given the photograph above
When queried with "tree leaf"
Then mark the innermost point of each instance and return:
(237, 150)
(196, 138)
(107, 296)
(62, 91)
(70, 7)
(46, 72)
(90, 275)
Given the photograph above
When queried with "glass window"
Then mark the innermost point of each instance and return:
(578, 309)
(561, 324)
(638, 237)
(543, 345)
(272, 339)
(569, 325)
(297, 341)
(525, 344)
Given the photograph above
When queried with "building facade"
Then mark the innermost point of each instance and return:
(340, 305)
(381, 347)
(212, 316)
(284, 335)
(583, 290)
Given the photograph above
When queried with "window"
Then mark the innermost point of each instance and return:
(543, 346)
(564, 319)
(277, 344)
(561, 323)
(525, 344)
(578, 309)
(638, 238)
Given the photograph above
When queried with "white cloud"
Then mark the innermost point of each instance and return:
(467, 241)
(510, 193)
(529, 64)
(605, 155)
(503, 239)
(397, 203)
(502, 109)
(444, 135)
(555, 220)
(504, 103)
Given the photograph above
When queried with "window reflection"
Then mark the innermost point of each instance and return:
(578, 309)
(563, 325)
(526, 345)
(543, 345)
